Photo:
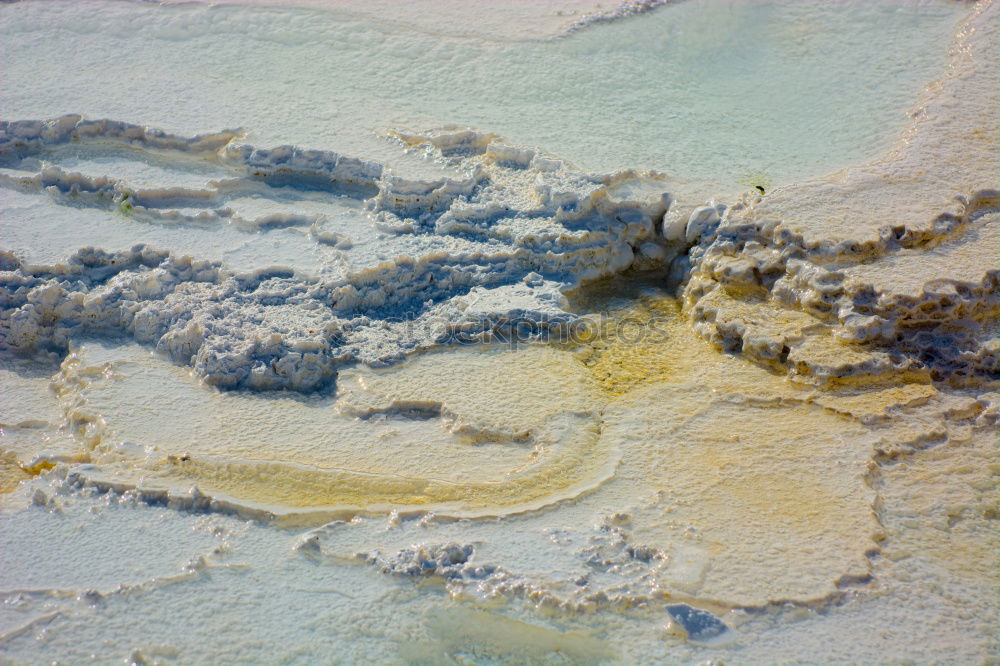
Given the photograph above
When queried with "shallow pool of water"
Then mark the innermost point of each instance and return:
(721, 93)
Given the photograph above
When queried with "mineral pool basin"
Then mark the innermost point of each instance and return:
(715, 92)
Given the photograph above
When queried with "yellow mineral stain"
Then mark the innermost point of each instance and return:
(877, 402)
(11, 473)
(276, 485)
(472, 431)
(749, 456)
(495, 638)
(38, 467)
(774, 499)
(643, 337)
(634, 346)
(940, 511)
(761, 492)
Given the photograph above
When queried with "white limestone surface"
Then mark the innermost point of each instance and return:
(467, 433)
(890, 267)
(310, 352)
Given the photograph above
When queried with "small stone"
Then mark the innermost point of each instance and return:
(699, 626)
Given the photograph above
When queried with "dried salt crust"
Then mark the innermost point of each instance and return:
(515, 214)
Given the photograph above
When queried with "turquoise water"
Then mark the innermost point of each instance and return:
(720, 93)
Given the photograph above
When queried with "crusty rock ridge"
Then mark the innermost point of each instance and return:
(476, 253)
(887, 268)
